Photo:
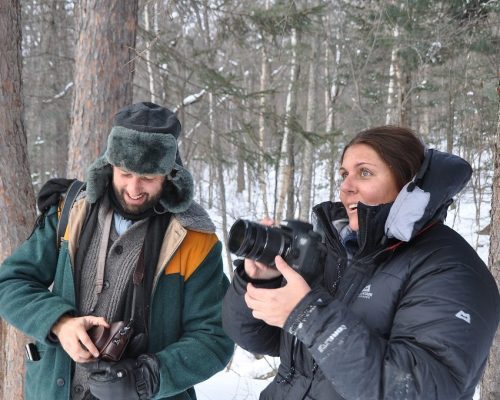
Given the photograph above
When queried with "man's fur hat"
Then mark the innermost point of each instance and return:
(143, 140)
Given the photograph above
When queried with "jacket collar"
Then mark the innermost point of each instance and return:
(329, 217)
(194, 218)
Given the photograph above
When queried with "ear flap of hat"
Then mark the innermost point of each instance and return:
(177, 190)
(98, 177)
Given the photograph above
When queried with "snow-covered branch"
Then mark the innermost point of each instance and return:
(191, 99)
(60, 94)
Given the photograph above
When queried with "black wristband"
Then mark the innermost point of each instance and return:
(140, 384)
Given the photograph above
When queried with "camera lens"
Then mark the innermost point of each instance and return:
(241, 237)
(258, 242)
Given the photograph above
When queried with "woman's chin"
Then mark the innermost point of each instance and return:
(353, 224)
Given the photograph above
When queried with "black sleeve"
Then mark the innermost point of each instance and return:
(252, 334)
(438, 346)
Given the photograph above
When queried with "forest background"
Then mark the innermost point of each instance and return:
(267, 92)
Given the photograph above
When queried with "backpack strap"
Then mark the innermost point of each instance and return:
(74, 189)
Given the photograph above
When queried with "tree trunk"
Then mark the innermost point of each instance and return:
(290, 193)
(285, 165)
(17, 199)
(424, 121)
(48, 74)
(490, 385)
(263, 126)
(389, 116)
(149, 43)
(240, 175)
(308, 160)
(103, 76)
(450, 127)
(332, 59)
(404, 97)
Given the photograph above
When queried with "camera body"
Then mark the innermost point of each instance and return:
(294, 240)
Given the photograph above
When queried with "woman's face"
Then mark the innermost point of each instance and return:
(366, 178)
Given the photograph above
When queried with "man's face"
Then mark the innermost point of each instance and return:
(136, 193)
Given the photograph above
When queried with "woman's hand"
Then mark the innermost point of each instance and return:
(273, 306)
(257, 270)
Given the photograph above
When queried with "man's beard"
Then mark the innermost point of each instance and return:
(136, 209)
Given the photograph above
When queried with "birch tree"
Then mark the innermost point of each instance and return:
(391, 88)
(332, 58)
(286, 172)
(265, 78)
(308, 158)
(148, 18)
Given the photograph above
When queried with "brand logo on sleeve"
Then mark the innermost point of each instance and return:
(323, 346)
(463, 315)
(366, 293)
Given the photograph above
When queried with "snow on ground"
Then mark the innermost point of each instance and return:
(228, 385)
(245, 379)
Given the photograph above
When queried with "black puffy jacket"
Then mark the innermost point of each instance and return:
(411, 315)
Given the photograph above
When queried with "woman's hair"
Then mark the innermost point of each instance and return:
(398, 147)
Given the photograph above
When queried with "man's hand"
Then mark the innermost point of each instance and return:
(72, 334)
(129, 379)
(273, 306)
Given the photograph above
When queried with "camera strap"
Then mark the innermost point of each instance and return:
(137, 280)
(103, 250)
(74, 189)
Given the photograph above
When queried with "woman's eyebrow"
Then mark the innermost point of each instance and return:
(359, 164)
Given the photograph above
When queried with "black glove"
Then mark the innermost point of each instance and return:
(129, 379)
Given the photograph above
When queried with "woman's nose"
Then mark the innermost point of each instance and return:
(347, 185)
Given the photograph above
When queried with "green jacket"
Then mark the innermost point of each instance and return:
(185, 334)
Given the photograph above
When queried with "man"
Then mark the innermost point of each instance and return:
(136, 214)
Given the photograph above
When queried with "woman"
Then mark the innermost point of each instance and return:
(405, 308)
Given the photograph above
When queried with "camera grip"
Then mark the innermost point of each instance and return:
(111, 342)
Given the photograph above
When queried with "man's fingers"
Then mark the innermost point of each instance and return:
(83, 356)
(91, 321)
(89, 345)
(73, 336)
(75, 350)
